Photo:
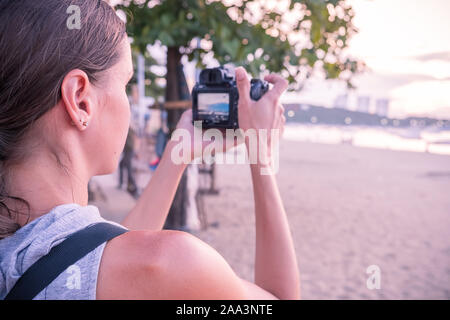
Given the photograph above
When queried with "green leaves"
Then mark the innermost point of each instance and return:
(316, 33)
(166, 39)
(327, 23)
(166, 20)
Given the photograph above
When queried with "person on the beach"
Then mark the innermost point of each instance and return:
(127, 164)
(64, 117)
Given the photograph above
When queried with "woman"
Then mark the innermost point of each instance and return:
(64, 116)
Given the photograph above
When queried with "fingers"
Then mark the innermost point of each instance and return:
(279, 86)
(187, 113)
(278, 121)
(185, 119)
(279, 112)
(186, 116)
(281, 119)
(243, 85)
(281, 108)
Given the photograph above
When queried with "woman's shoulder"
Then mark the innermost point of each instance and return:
(165, 265)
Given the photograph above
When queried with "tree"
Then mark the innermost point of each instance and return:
(292, 38)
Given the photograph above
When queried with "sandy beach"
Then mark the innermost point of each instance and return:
(349, 208)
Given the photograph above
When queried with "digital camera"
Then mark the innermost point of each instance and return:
(215, 98)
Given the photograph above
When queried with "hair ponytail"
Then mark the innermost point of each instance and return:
(8, 225)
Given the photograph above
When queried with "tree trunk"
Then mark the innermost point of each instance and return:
(176, 89)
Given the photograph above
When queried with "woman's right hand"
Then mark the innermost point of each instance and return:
(267, 113)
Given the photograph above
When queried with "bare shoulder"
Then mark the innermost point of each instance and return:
(168, 265)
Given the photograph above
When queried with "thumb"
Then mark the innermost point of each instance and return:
(243, 85)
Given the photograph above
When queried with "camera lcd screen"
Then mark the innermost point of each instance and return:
(215, 105)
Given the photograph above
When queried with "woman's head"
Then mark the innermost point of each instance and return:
(61, 88)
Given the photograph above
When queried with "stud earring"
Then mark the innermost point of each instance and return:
(84, 123)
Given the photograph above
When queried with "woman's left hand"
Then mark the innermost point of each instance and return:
(185, 123)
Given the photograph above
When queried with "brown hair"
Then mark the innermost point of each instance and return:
(37, 50)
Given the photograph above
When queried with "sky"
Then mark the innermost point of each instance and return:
(407, 42)
(406, 46)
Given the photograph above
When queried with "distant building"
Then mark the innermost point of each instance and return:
(382, 107)
(341, 101)
(363, 104)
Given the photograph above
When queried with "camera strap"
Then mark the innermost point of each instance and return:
(46, 269)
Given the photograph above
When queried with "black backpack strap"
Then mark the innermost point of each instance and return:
(46, 269)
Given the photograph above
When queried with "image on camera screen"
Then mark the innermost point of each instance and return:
(216, 105)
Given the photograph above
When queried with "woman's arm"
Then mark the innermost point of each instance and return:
(276, 267)
(150, 211)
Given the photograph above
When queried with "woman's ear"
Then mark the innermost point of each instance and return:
(76, 95)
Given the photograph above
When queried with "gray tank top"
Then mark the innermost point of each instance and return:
(19, 251)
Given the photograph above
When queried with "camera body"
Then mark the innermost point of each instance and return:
(215, 98)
